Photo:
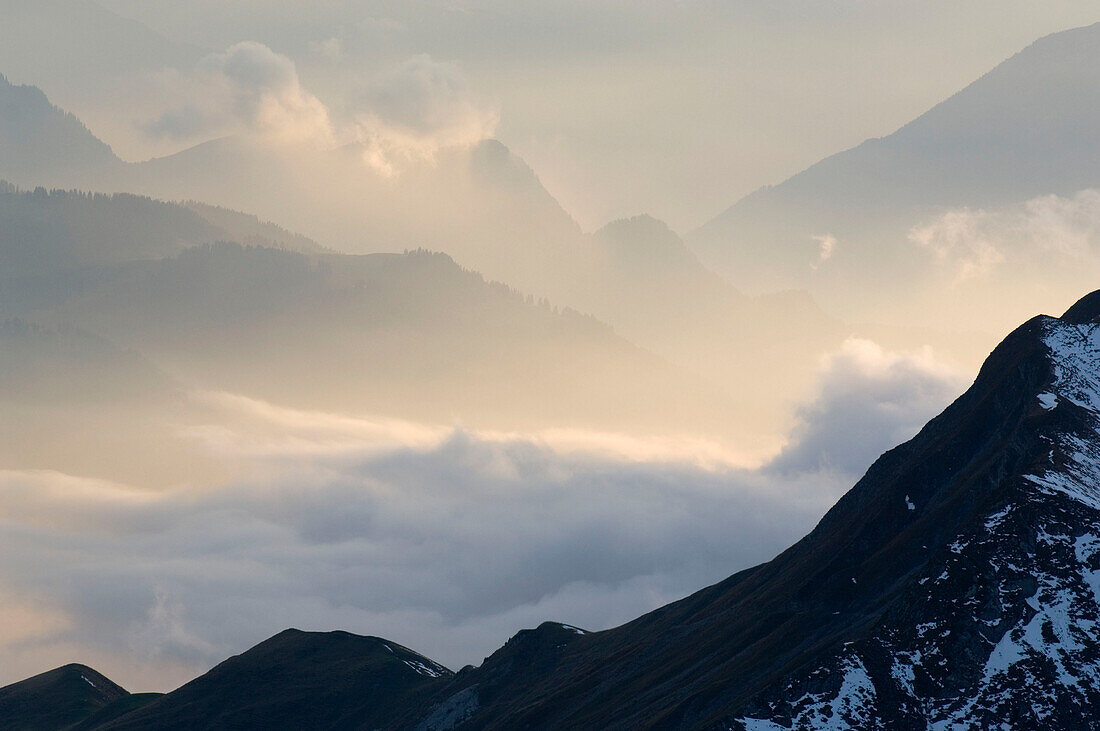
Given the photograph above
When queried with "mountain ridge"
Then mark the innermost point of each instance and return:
(1019, 132)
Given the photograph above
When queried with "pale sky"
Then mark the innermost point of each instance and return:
(670, 108)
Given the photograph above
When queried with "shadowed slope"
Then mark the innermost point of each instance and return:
(303, 680)
(56, 699)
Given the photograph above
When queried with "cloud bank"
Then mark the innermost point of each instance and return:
(868, 400)
(442, 539)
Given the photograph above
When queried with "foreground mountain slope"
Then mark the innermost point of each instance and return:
(954, 584)
(56, 699)
(296, 680)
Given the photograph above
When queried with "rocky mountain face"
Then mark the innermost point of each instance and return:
(957, 585)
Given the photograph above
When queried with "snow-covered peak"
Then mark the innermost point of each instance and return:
(1075, 355)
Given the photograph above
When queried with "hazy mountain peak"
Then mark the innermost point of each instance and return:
(645, 239)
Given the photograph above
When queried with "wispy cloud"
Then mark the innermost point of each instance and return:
(975, 243)
(408, 112)
(248, 89)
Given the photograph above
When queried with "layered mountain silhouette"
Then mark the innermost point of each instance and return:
(483, 206)
(279, 318)
(653, 288)
(42, 144)
(1025, 129)
(956, 585)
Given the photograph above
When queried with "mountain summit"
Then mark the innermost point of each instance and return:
(957, 585)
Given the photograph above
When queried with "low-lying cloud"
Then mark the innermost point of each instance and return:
(442, 539)
(868, 400)
(975, 243)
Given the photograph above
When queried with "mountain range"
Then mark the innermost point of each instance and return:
(841, 228)
(954, 586)
(482, 206)
(411, 335)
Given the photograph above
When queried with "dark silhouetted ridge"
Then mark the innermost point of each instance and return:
(1084, 310)
(297, 680)
(56, 699)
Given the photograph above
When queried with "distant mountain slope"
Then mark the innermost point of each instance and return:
(296, 680)
(487, 209)
(56, 699)
(1025, 129)
(123, 304)
(482, 205)
(645, 280)
(84, 56)
(40, 144)
(955, 586)
(47, 366)
(412, 335)
(57, 244)
(250, 230)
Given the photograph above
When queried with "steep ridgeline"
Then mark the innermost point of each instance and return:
(957, 585)
(63, 698)
(296, 680)
(841, 227)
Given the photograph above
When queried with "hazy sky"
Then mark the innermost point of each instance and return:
(448, 536)
(670, 108)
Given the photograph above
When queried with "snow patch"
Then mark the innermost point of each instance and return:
(853, 706)
(432, 671)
